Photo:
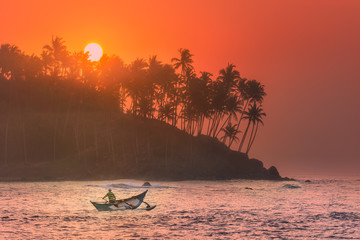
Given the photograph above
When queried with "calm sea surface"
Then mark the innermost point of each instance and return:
(240, 209)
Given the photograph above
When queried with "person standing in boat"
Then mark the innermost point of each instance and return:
(111, 196)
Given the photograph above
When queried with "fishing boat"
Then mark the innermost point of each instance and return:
(122, 204)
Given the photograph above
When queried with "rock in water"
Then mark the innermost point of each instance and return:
(291, 186)
(273, 172)
(146, 184)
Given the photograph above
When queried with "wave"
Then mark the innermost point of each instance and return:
(348, 216)
(126, 185)
(291, 186)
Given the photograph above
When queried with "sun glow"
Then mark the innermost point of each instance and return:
(95, 51)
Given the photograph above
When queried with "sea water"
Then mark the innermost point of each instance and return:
(236, 209)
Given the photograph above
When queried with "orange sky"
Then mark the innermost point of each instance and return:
(307, 53)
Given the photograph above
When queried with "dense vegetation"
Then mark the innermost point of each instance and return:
(60, 90)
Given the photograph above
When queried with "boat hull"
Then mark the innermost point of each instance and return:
(122, 204)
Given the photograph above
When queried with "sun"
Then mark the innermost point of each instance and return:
(95, 51)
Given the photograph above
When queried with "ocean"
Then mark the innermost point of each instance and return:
(235, 209)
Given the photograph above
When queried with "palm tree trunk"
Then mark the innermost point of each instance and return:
(194, 124)
(249, 147)
(149, 148)
(84, 141)
(6, 142)
(176, 101)
(222, 126)
(208, 128)
(188, 126)
(251, 135)
(136, 150)
(166, 152)
(202, 121)
(242, 113)
(231, 142)
(123, 153)
(24, 142)
(54, 139)
(217, 124)
(199, 127)
(112, 147)
(244, 136)
(77, 142)
(213, 124)
(96, 146)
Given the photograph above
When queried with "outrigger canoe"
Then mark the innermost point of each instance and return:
(122, 204)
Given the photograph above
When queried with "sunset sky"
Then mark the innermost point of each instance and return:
(306, 53)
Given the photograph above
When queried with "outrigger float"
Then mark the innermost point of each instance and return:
(123, 204)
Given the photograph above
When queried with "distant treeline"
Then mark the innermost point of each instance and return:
(228, 107)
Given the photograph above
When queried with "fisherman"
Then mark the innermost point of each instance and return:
(111, 196)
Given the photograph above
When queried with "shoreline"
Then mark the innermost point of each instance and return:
(3, 180)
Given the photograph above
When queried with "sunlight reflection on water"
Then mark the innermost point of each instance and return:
(185, 210)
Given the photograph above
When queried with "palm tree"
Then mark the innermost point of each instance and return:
(218, 97)
(154, 73)
(135, 83)
(185, 63)
(258, 115)
(230, 132)
(123, 94)
(229, 76)
(202, 104)
(111, 77)
(55, 56)
(251, 91)
(146, 109)
(226, 81)
(254, 114)
(195, 100)
(232, 107)
(11, 62)
(241, 92)
(32, 67)
(255, 91)
(166, 112)
(189, 115)
(166, 79)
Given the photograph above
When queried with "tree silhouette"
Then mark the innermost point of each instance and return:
(225, 85)
(166, 112)
(258, 114)
(251, 91)
(60, 81)
(233, 106)
(11, 62)
(55, 57)
(230, 132)
(185, 63)
(253, 115)
(229, 77)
